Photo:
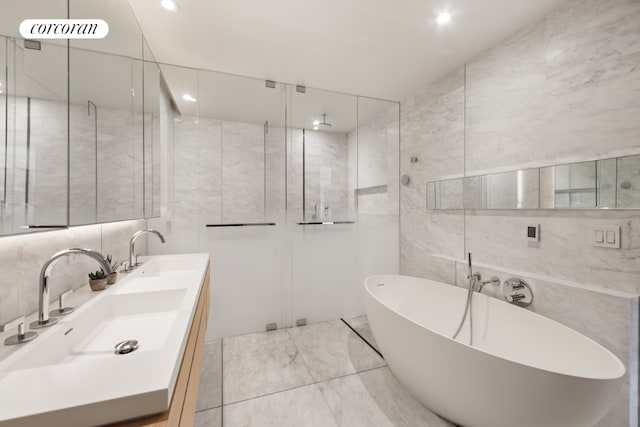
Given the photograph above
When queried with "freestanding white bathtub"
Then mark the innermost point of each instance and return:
(523, 369)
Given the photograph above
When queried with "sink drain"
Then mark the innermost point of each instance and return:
(126, 347)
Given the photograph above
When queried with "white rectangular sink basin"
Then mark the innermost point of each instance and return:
(144, 316)
(71, 375)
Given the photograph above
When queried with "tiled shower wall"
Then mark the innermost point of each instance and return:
(564, 89)
(22, 257)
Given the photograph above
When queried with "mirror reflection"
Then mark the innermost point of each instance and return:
(33, 128)
(607, 183)
(106, 137)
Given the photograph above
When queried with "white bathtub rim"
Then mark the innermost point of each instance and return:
(620, 372)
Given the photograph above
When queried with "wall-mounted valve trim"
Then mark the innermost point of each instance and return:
(518, 292)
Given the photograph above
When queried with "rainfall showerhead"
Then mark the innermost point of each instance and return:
(324, 121)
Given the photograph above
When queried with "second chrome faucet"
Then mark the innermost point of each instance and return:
(133, 264)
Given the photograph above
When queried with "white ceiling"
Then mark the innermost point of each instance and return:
(378, 48)
(385, 49)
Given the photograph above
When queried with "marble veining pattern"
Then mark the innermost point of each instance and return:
(259, 364)
(243, 170)
(331, 349)
(369, 396)
(302, 406)
(375, 398)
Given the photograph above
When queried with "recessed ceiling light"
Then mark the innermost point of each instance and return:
(169, 4)
(316, 122)
(188, 97)
(443, 18)
(316, 128)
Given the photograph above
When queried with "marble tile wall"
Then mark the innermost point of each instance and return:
(564, 89)
(243, 172)
(326, 175)
(21, 258)
(432, 124)
(373, 163)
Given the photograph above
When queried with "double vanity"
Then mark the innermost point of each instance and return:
(129, 352)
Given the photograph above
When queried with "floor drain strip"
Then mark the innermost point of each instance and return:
(362, 338)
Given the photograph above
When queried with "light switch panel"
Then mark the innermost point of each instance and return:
(606, 237)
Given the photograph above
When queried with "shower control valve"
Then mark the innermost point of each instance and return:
(518, 292)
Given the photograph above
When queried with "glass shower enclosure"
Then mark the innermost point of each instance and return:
(268, 178)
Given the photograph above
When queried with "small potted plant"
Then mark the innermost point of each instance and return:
(111, 278)
(98, 280)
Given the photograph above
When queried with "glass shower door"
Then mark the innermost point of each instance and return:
(321, 205)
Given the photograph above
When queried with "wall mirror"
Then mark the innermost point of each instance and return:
(79, 121)
(232, 129)
(114, 133)
(612, 183)
(33, 136)
(106, 137)
(152, 134)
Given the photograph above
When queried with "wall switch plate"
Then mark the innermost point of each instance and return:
(606, 237)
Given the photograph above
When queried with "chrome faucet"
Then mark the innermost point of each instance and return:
(137, 234)
(44, 287)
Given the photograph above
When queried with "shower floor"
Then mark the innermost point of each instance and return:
(323, 374)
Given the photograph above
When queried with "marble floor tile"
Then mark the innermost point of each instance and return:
(331, 349)
(300, 407)
(210, 392)
(376, 398)
(209, 418)
(361, 325)
(259, 364)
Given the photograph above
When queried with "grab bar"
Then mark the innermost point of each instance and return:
(325, 222)
(243, 224)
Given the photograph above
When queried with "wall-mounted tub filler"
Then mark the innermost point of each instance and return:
(475, 285)
(518, 292)
(44, 284)
(132, 242)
